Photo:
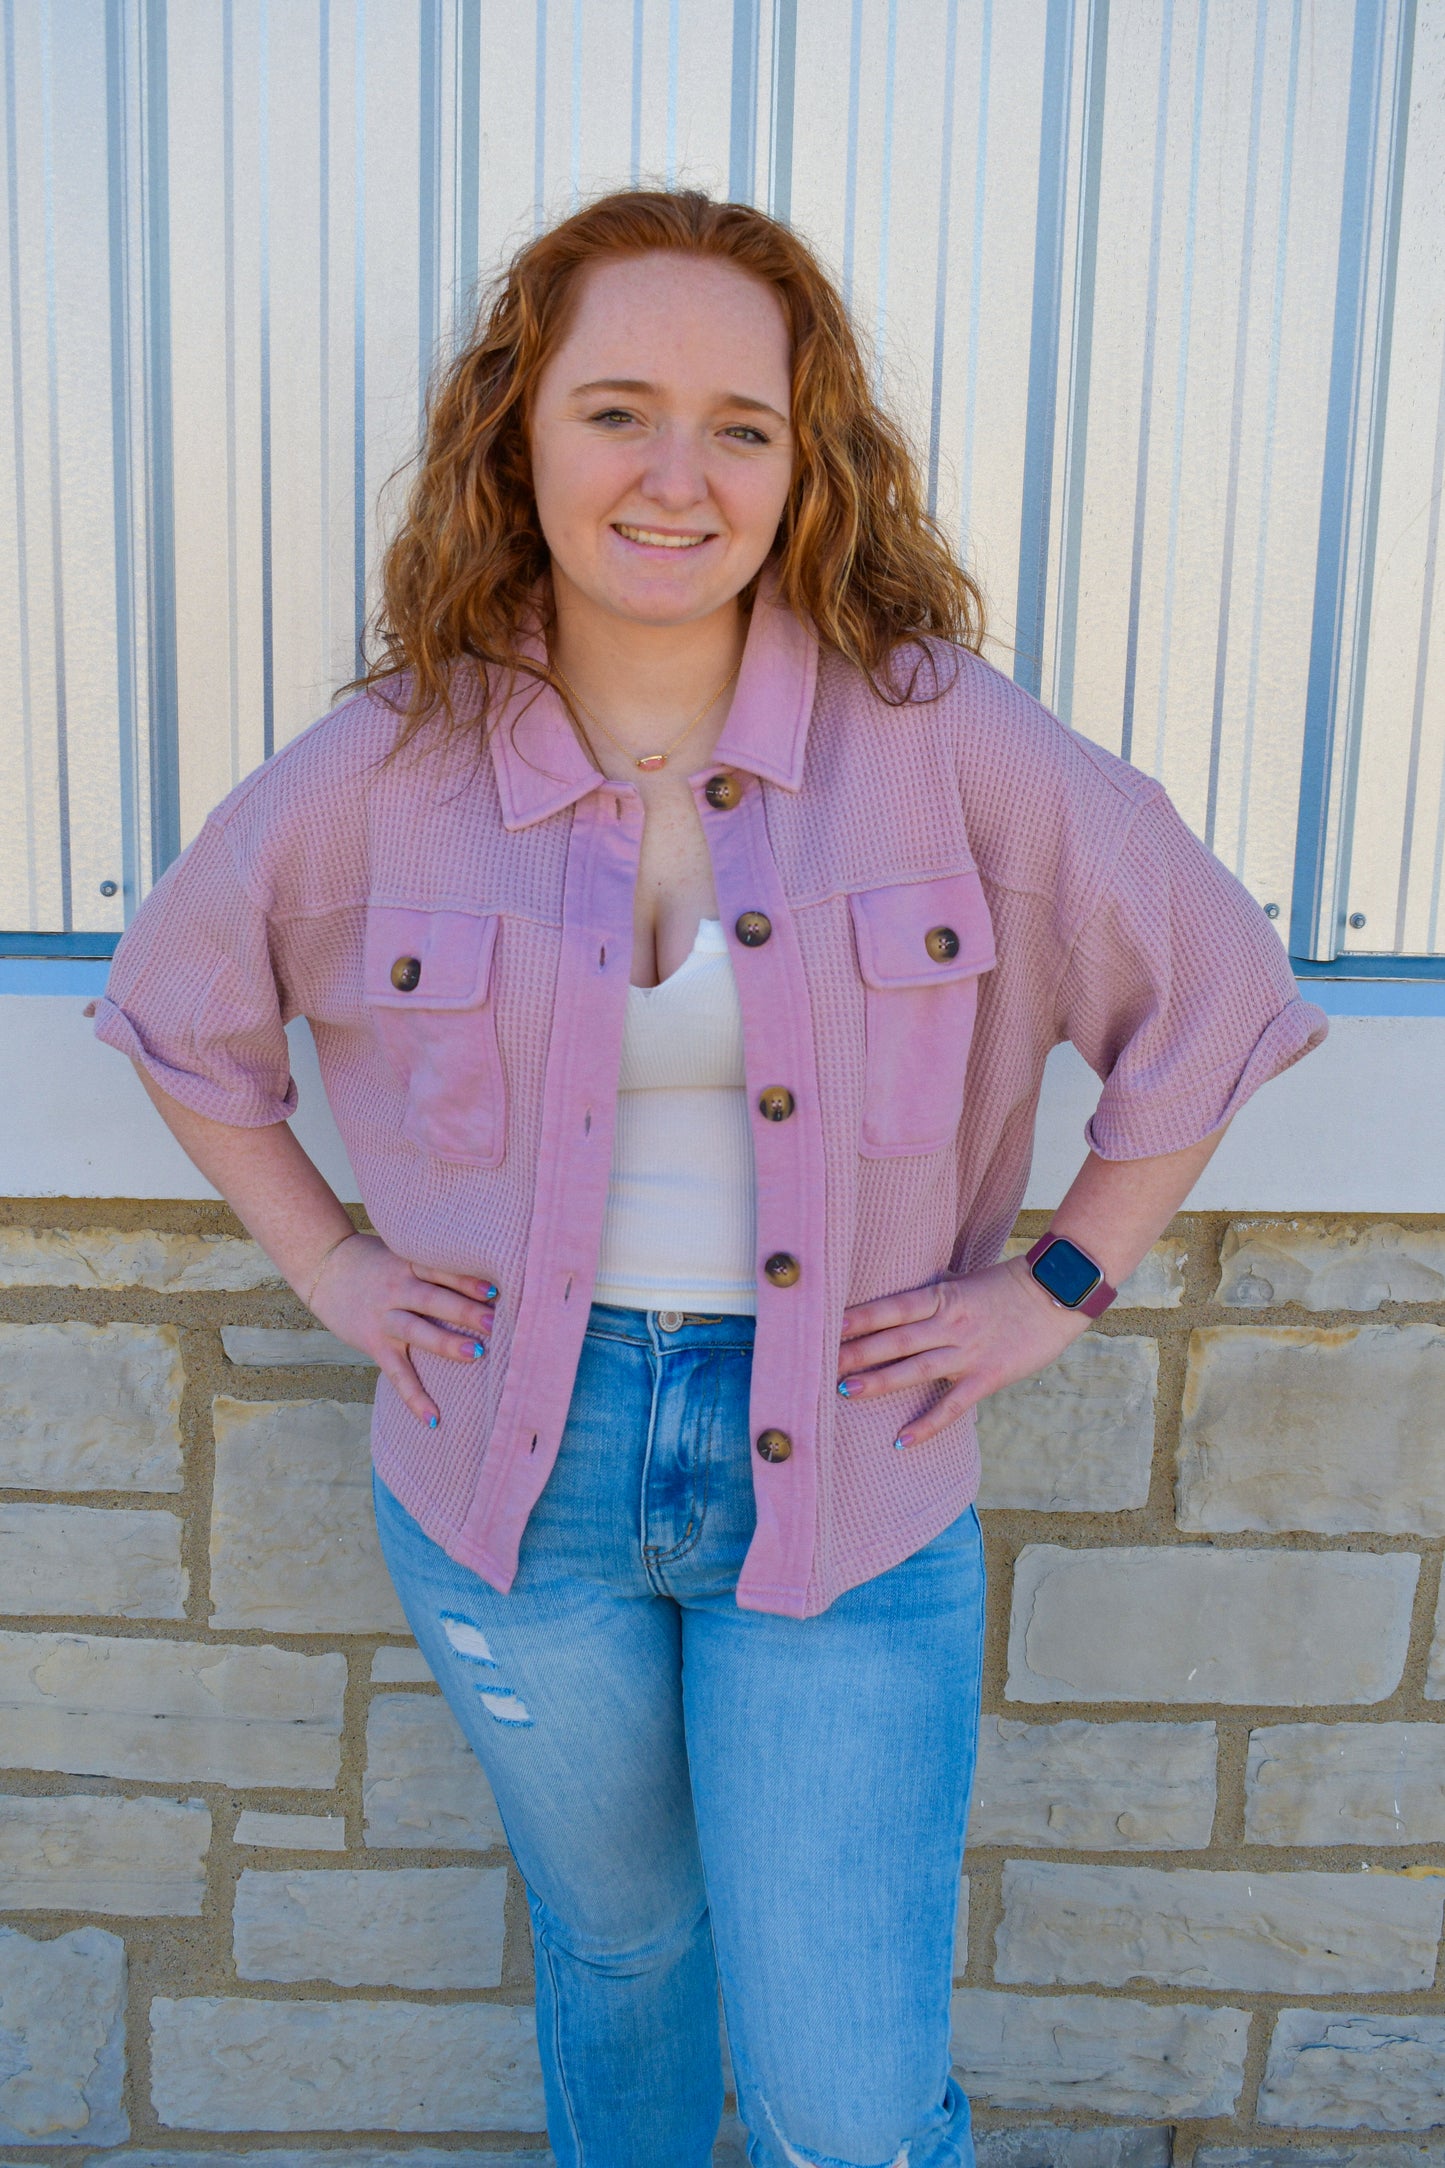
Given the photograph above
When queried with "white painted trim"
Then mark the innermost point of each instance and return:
(1357, 1126)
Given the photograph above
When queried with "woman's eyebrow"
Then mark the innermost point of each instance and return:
(640, 384)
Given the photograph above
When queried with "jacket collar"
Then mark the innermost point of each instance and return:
(541, 768)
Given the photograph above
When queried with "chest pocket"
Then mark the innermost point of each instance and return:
(922, 946)
(427, 981)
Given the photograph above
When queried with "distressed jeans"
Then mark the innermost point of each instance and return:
(697, 1794)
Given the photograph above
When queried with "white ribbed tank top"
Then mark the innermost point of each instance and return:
(679, 1228)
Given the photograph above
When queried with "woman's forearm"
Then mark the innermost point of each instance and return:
(1116, 1209)
(267, 1178)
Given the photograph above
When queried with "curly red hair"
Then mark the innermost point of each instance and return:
(857, 551)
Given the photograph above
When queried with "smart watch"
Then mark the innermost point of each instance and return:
(1070, 1275)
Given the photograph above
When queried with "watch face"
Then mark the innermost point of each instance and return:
(1066, 1272)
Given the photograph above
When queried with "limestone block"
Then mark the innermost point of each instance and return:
(90, 1407)
(258, 1347)
(222, 2062)
(291, 1832)
(1103, 2053)
(424, 1787)
(960, 1931)
(1077, 1437)
(1323, 1430)
(400, 1667)
(101, 1854)
(62, 2039)
(169, 1711)
(353, 2156)
(1187, 1623)
(1345, 1784)
(1093, 1787)
(1312, 1934)
(1351, 2070)
(1156, 1283)
(1329, 1268)
(293, 1534)
(1346, 2154)
(106, 1257)
(395, 1927)
(59, 1561)
(1435, 1670)
(1144, 2145)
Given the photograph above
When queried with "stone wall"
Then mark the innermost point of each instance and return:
(254, 1888)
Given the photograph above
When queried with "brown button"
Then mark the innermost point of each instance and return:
(752, 929)
(406, 973)
(774, 1444)
(941, 943)
(776, 1103)
(723, 792)
(783, 1270)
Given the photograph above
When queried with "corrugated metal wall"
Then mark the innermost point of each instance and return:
(1158, 284)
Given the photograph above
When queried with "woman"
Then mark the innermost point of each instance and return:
(683, 912)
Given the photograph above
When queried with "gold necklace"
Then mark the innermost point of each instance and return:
(649, 762)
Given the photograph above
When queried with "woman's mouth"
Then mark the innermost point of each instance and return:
(658, 538)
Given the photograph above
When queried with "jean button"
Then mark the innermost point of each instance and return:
(669, 1320)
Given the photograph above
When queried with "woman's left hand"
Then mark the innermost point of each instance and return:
(984, 1330)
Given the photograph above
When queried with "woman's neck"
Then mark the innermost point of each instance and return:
(645, 680)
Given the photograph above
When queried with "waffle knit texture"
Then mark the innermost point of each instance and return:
(477, 1104)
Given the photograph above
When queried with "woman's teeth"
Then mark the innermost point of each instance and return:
(660, 541)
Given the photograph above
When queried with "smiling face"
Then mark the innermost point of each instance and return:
(661, 451)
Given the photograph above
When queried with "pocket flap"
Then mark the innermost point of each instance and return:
(923, 933)
(420, 959)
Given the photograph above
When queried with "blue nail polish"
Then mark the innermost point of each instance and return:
(431, 1422)
(899, 1444)
(477, 1348)
(491, 1294)
(843, 1387)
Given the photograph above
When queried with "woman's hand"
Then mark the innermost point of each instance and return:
(984, 1330)
(376, 1301)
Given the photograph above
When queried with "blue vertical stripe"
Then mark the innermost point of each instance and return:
(1236, 430)
(1309, 935)
(784, 98)
(17, 425)
(743, 107)
(1043, 387)
(940, 275)
(163, 689)
(132, 791)
(1096, 64)
(268, 605)
(1146, 393)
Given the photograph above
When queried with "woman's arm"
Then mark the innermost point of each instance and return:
(988, 1329)
(364, 1293)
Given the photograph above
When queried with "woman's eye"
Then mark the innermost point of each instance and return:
(744, 429)
(613, 414)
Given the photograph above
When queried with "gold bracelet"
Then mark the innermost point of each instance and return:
(321, 1266)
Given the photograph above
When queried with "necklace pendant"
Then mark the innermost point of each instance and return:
(649, 761)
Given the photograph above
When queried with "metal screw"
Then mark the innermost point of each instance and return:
(1357, 919)
(110, 888)
(1271, 910)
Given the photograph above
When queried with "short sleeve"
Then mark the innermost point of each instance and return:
(192, 993)
(1178, 993)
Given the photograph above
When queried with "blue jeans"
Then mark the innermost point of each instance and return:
(696, 1793)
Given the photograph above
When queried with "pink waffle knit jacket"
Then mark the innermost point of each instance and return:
(944, 890)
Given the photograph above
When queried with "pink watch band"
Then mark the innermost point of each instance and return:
(1093, 1304)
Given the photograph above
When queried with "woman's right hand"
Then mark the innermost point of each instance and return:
(375, 1301)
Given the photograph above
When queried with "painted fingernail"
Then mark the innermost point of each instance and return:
(477, 1348)
(899, 1443)
(844, 1387)
(491, 1293)
(431, 1422)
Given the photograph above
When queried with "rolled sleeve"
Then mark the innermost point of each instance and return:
(1178, 993)
(192, 994)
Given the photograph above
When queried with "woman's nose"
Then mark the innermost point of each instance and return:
(675, 475)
